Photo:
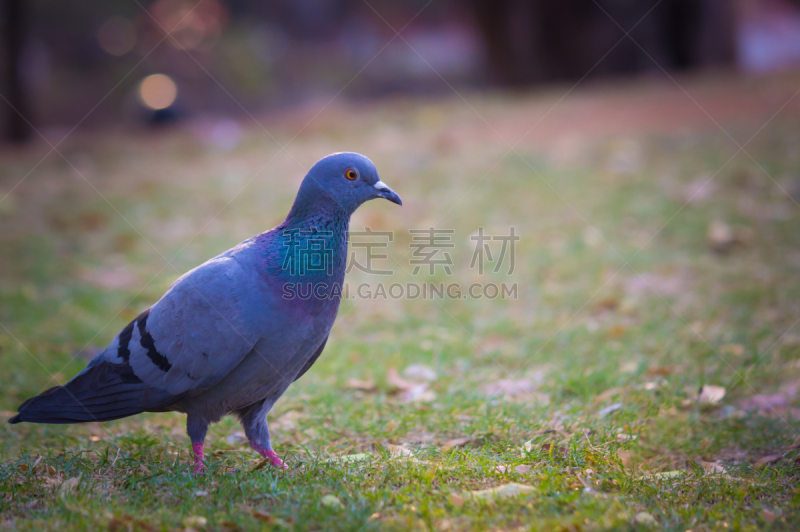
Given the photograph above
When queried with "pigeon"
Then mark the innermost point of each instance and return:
(231, 335)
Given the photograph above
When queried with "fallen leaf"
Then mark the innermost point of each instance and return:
(609, 304)
(612, 408)
(456, 442)
(69, 485)
(616, 330)
(501, 469)
(711, 394)
(699, 189)
(397, 383)
(331, 501)
(522, 469)
(644, 518)
(399, 450)
(720, 236)
(664, 475)
(355, 384)
(660, 371)
(512, 489)
(765, 402)
(357, 457)
(625, 457)
(200, 493)
(713, 468)
(509, 388)
(732, 349)
(456, 500)
(553, 451)
(768, 516)
(420, 372)
(743, 236)
(196, 521)
(419, 394)
(769, 459)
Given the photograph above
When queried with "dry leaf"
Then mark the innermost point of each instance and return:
(607, 410)
(625, 457)
(195, 521)
(644, 518)
(522, 469)
(768, 516)
(69, 485)
(512, 489)
(420, 372)
(766, 402)
(713, 468)
(501, 469)
(419, 394)
(357, 457)
(456, 500)
(711, 394)
(355, 384)
(509, 388)
(399, 450)
(456, 442)
(553, 451)
(769, 459)
(732, 349)
(720, 236)
(263, 516)
(660, 371)
(331, 501)
(664, 475)
(397, 383)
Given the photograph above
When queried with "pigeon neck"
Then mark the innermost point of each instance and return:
(311, 245)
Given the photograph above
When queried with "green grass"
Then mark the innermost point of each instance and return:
(641, 313)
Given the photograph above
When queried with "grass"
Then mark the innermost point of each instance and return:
(623, 314)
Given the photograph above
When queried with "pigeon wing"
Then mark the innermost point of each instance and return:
(200, 330)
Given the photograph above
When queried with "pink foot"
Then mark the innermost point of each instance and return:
(199, 458)
(270, 455)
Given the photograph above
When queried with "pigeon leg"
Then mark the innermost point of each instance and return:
(197, 428)
(254, 421)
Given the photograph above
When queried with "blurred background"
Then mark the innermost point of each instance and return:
(646, 153)
(64, 60)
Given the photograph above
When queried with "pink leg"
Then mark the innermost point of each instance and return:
(269, 454)
(197, 453)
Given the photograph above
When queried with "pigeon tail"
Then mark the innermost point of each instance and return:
(103, 392)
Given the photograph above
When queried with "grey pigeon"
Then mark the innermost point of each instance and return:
(231, 335)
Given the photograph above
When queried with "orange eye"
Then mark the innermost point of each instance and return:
(351, 174)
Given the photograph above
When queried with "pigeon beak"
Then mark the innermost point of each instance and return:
(387, 193)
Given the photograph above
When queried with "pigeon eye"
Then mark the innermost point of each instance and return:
(351, 174)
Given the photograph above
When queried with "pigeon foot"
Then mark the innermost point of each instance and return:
(270, 455)
(197, 454)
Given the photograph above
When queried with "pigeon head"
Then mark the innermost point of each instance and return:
(341, 181)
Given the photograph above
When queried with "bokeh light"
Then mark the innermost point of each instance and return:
(117, 36)
(158, 91)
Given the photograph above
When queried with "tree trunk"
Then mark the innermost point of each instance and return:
(17, 128)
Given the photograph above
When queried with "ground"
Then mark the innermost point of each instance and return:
(645, 373)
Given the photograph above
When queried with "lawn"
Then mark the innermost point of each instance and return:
(645, 374)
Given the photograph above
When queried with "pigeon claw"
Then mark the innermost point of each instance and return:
(270, 455)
